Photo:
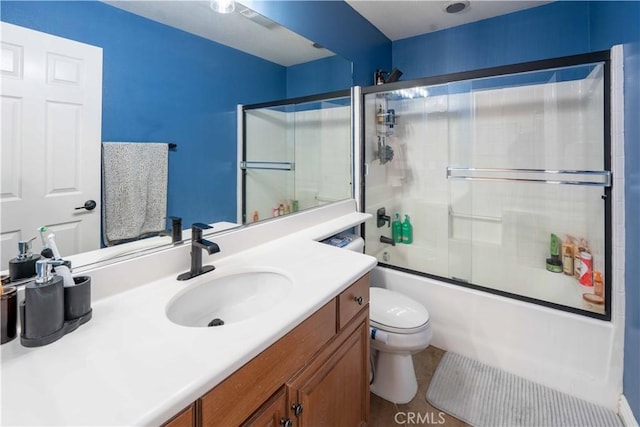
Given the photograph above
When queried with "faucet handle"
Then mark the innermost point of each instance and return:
(176, 229)
(200, 225)
(174, 219)
(196, 230)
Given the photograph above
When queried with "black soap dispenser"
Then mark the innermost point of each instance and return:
(24, 265)
(42, 311)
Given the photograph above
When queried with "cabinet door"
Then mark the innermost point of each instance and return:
(336, 393)
(272, 413)
(183, 419)
(244, 392)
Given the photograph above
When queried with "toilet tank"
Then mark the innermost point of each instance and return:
(344, 240)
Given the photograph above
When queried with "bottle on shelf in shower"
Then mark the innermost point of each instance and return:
(407, 231)
(396, 229)
(567, 256)
(554, 263)
(380, 115)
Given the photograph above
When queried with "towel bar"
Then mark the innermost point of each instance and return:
(282, 166)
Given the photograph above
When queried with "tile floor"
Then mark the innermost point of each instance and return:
(418, 412)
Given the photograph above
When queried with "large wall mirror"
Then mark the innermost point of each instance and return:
(175, 72)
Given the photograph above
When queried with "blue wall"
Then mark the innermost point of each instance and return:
(617, 23)
(632, 244)
(163, 84)
(323, 75)
(556, 29)
(338, 27)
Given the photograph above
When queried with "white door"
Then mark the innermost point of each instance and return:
(51, 91)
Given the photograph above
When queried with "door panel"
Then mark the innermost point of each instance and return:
(51, 134)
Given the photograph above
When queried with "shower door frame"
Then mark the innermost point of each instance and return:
(541, 65)
(242, 157)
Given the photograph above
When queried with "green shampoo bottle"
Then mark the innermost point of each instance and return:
(407, 231)
(397, 229)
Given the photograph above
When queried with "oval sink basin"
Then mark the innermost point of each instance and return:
(228, 298)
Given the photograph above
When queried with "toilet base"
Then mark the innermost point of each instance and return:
(395, 378)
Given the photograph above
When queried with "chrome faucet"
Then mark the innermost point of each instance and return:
(198, 244)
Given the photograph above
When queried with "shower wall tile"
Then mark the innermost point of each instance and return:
(323, 155)
(266, 141)
(422, 158)
(486, 225)
(618, 171)
(316, 141)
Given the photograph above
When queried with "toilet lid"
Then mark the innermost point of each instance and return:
(396, 311)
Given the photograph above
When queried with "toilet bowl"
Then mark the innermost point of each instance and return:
(400, 327)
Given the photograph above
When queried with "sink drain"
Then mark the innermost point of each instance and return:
(216, 322)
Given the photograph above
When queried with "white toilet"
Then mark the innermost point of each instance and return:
(400, 327)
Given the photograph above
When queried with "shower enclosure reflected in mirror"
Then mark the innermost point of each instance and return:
(179, 91)
(296, 154)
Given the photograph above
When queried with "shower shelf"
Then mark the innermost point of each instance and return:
(475, 217)
(281, 166)
(599, 178)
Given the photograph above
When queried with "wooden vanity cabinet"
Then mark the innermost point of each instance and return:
(316, 375)
(273, 413)
(186, 418)
(333, 390)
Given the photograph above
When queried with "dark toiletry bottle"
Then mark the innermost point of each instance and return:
(24, 264)
(42, 311)
(8, 313)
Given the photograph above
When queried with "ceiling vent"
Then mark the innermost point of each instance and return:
(254, 16)
(456, 6)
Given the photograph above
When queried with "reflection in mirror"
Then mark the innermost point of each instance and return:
(297, 155)
(168, 79)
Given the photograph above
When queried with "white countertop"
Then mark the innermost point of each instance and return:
(130, 365)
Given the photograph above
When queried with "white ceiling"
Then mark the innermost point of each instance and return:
(273, 43)
(397, 19)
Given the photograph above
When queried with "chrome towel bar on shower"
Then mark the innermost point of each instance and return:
(600, 178)
(280, 166)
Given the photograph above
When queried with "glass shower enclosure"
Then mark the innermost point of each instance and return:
(497, 180)
(296, 154)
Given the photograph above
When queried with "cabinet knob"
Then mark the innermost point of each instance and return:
(286, 422)
(297, 409)
(359, 300)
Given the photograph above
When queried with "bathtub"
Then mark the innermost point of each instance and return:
(571, 353)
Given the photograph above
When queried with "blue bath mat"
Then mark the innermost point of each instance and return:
(483, 396)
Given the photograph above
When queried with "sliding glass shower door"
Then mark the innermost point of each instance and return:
(504, 180)
(296, 155)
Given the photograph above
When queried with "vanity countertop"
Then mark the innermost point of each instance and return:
(130, 365)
